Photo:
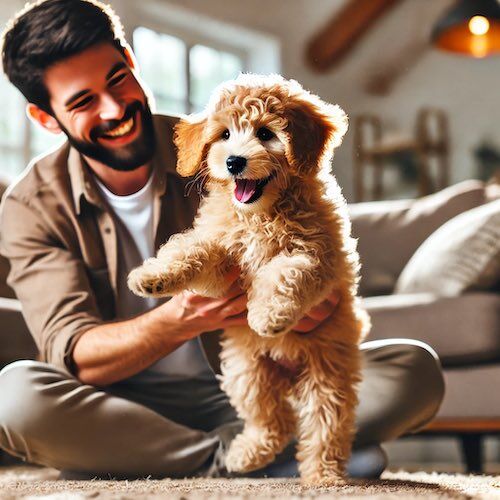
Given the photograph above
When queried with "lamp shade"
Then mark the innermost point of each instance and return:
(471, 27)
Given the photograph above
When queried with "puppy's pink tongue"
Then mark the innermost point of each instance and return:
(245, 188)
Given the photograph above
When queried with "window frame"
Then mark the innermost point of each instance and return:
(190, 40)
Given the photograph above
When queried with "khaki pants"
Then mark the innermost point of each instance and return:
(178, 429)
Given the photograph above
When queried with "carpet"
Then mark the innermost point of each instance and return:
(24, 482)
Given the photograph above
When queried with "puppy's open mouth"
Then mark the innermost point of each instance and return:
(250, 190)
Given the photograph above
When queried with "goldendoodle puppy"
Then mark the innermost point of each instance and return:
(263, 147)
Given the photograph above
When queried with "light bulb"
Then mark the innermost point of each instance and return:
(479, 25)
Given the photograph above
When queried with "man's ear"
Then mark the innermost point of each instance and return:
(47, 121)
(314, 129)
(189, 137)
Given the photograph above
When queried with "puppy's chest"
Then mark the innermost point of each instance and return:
(251, 250)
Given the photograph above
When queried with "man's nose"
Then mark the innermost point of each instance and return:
(111, 108)
(236, 164)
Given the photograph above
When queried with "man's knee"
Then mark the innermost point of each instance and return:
(22, 400)
(425, 381)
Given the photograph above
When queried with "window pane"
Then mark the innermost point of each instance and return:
(162, 63)
(12, 116)
(12, 163)
(209, 67)
(43, 141)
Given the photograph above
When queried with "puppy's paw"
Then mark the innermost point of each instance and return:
(323, 481)
(246, 454)
(268, 321)
(147, 281)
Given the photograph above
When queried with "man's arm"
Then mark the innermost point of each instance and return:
(114, 351)
(62, 314)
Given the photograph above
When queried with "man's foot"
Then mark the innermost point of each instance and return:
(367, 463)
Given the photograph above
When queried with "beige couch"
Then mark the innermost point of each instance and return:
(464, 330)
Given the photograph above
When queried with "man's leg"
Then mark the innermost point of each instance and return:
(49, 418)
(401, 391)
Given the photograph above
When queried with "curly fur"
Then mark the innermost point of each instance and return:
(293, 246)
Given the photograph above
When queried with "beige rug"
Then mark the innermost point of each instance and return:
(31, 482)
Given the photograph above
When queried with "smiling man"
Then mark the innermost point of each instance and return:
(125, 386)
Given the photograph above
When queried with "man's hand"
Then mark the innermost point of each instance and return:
(193, 314)
(318, 314)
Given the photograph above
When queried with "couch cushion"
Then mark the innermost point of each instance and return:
(463, 330)
(461, 255)
(389, 232)
(471, 392)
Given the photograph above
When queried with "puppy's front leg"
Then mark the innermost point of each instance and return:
(185, 261)
(282, 291)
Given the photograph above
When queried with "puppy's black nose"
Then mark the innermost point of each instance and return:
(236, 164)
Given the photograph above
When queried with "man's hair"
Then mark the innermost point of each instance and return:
(48, 31)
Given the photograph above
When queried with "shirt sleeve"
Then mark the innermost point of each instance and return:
(51, 283)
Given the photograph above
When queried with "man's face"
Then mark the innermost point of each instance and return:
(101, 107)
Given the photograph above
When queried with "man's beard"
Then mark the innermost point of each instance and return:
(125, 158)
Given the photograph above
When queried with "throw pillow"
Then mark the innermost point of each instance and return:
(389, 232)
(462, 254)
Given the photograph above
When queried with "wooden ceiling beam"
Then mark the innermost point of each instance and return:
(340, 35)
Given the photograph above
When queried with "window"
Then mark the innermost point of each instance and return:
(181, 76)
(12, 130)
(20, 139)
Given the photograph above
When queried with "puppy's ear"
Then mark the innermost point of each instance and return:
(189, 137)
(314, 129)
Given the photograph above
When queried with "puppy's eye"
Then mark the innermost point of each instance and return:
(264, 134)
(225, 135)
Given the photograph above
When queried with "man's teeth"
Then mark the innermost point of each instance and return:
(122, 129)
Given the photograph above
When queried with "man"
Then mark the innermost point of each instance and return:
(125, 387)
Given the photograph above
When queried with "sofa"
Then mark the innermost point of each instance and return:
(463, 328)
(462, 323)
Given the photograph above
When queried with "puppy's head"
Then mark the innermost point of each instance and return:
(256, 134)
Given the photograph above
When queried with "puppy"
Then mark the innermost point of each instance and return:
(263, 148)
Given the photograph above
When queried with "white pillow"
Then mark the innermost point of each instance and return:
(463, 254)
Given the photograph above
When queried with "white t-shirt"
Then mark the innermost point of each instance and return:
(135, 241)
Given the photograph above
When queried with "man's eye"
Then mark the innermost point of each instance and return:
(116, 80)
(264, 134)
(82, 103)
(225, 135)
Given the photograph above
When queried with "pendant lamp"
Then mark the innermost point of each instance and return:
(470, 27)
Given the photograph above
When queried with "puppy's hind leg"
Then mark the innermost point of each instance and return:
(327, 400)
(185, 261)
(258, 391)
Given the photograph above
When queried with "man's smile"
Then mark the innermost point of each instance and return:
(123, 133)
(122, 129)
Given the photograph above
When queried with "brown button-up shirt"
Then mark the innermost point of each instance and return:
(59, 235)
